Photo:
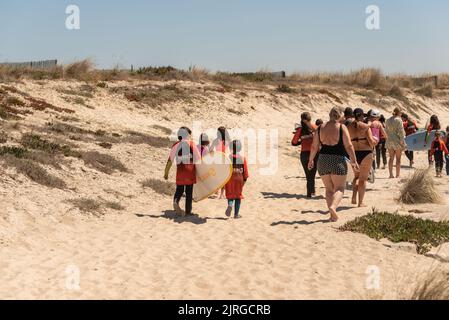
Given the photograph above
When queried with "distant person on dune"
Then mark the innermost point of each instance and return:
(335, 142)
(379, 134)
(381, 149)
(304, 137)
(410, 128)
(234, 187)
(434, 124)
(395, 141)
(438, 151)
(446, 141)
(185, 155)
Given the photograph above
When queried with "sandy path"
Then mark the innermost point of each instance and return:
(281, 249)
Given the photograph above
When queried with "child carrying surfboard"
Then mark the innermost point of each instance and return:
(438, 151)
(185, 155)
(234, 187)
(221, 144)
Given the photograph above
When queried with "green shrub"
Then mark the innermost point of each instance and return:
(425, 234)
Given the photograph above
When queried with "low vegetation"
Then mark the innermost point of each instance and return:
(162, 187)
(95, 207)
(432, 286)
(419, 188)
(425, 234)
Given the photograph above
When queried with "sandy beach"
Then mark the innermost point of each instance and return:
(283, 247)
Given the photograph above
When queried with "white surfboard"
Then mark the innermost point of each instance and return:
(212, 174)
(418, 141)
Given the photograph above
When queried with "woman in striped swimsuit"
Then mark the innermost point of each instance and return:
(335, 142)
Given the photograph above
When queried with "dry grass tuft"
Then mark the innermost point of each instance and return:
(102, 162)
(87, 205)
(141, 138)
(162, 187)
(426, 91)
(114, 205)
(34, 172)
(433, 286)
(420, 188)
(78, 70)
(95, 207)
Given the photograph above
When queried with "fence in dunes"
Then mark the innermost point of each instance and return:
(41, 65)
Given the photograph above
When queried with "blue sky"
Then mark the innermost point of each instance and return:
(232, 35)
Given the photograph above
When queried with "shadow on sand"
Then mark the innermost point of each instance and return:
(172, 215)
(301, 222)
(340, 209)
(274, 195)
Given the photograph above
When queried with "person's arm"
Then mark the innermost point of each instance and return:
(245, 171)
(350, 147)
(296, 137)
(383, 133)
(167, 169)
(314, 150)
(443, 145)
(369, 136)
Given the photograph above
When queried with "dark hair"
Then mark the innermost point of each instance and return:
(236, 146)
(382, 118)
(305, 130)
(349, 113)
(435, 122)
(404, 116)
(184, 133)
(223, 134)
(204, 139)
(447, 128)
(319, 122)
(358, 113)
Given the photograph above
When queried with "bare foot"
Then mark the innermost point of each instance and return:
(354, 200)
(334, 216)
(391, 177)
(362, 205)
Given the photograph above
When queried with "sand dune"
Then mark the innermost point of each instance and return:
(283, 248)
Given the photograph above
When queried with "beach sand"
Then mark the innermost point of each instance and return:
(283, 248)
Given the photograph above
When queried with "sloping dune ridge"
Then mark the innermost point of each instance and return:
(78, 204)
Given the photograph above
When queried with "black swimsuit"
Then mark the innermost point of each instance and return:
(361, 154)
(332, 159)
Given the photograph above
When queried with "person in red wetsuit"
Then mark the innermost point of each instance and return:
(185, 154)
(203, 146)
(433, 125)
(234, 187)
(221, 144)
(304, 137)
(438, 150)
(410, 128)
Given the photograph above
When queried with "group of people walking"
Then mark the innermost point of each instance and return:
(185, 154)
(361, 140)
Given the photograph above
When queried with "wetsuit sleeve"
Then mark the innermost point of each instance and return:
(172, 154)
(245, 170)
(432, 148)
(296, 137)
(444, 148)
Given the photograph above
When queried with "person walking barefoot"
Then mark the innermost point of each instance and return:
(335, 142)
(395, 144)
(364, 143)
